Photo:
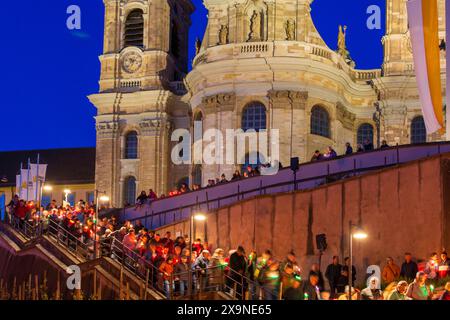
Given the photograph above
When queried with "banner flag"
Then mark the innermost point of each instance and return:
(423, 26)
(32, 181)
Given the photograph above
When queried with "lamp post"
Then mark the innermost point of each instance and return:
(355, 232)
(98, 199)
(193, 217)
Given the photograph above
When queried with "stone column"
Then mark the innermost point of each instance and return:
(210, 121)
(288, 116)
(154, 153)
(107, 160)
(226, 119)
(300, 125)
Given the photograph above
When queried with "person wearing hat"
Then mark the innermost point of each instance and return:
(400, 292)
(418, 290)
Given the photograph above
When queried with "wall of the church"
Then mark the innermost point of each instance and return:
(268, 52)
(398, 208)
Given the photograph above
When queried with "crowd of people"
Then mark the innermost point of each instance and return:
(407, 282)
(245, 276)
(330, 153)
(146, 198)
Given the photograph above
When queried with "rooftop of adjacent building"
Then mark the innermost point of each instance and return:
(65, 166)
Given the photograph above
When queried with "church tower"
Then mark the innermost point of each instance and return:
(139, 103)
(400, 108)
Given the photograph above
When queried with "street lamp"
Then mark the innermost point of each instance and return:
(355, 232)
(104, 198)
(197, 217)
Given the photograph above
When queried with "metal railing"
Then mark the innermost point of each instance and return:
(30, 229)
(218, 278)
(70, 239)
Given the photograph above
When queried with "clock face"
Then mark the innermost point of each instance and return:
(131, 62)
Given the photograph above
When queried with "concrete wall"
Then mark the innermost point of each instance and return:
(401, 209)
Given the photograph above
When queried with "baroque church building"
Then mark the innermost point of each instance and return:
(261, 65)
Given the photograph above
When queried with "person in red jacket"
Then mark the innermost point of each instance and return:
(21, 210)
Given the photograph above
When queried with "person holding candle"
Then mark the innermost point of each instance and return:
(432, 266)
(309, 288)
(271, 282)
(418, 290)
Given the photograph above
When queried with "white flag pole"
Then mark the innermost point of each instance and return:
(37, 185)
(20, 185)
(28, 179)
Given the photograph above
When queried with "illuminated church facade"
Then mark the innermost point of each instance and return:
(261, 65)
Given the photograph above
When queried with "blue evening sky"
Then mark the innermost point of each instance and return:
(48, 70)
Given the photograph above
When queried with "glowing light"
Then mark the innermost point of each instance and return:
(67, 191)
(200, 217)
(273, 275)
(48, 188)
(360, 235)
(104, 198)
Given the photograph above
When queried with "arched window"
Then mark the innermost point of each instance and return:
(129, 191)
(131, 145)
(134, 29)
(320, 122)
(198, 116)
(365, 132)
(198, 120)
(174, 41)
(254, 117)
(197, 175)
(418, 130)
(184, 180)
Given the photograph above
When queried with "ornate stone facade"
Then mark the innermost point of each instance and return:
(141, 89)
(253, 51)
